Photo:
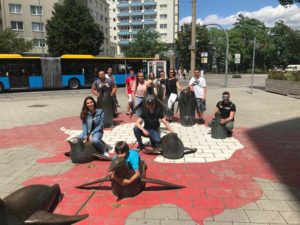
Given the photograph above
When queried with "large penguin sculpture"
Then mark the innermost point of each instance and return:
(83, 152)
(119, 166)
(187, 106)
(34, 204)
(171, 147)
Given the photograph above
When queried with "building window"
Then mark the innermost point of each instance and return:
(115, 38)
(163, 35)
(163, 6)
(16, 25)
(37, 27)
(114, 10)
(115, 28)
(36, 10)
(163, 16)
(163, 26)
(15, 8)
(106, 20)
(39, 43)
(101, 17)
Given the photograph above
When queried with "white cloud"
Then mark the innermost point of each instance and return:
(269, 15)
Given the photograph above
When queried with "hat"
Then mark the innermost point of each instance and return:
(150, 101)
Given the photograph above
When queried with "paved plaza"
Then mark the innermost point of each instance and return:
(249, 179)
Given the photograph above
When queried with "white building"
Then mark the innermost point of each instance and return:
(127, 17)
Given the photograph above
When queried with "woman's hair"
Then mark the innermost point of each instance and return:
(84, 110)
(121, 147)
(174, 73)
(151, 77)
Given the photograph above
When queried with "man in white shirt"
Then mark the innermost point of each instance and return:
(198, 86)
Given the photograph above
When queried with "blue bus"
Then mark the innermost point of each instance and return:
(67, 71)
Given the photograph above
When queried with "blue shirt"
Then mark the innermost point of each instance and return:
(132, 159)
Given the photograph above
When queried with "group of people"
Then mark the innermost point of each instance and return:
(149, 94)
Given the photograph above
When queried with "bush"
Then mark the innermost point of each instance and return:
(278, 75)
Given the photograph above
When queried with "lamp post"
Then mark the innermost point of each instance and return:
(226, 53)
(193, 39)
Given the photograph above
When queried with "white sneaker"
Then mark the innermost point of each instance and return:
(106, 154)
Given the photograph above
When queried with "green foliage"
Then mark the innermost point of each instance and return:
(276, 47)
(291, 75)
(72, 30)
(288, 2)
(184, 40)
(146, 44)
(11, 43)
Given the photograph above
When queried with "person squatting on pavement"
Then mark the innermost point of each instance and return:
(129, 84)
(150, 116)
(198, 86)
(92, 125)
(132, 159)
(227, 110)
(172, 84)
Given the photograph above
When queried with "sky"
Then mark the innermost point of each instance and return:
(225, 12)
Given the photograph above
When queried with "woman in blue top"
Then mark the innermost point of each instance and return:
(92, 125)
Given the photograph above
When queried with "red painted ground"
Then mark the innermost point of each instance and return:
(210, 187)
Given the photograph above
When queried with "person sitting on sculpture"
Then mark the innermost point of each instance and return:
(151, 114)
(226, 110)
(92, 125)
(132, 159)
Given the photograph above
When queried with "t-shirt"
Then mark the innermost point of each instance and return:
(151, 121)
(132, 160)
(198, 85)
(171, 86)
(129, 82)
(225, 109)
(112, 77)
(108, 84)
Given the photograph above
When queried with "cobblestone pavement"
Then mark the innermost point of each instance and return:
(251, 178)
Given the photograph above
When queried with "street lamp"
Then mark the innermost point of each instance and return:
(227, 51)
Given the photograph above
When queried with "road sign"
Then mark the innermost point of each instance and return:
(237, 58)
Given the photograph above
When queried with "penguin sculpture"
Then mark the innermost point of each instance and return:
(119, 166)
(84, 152)
(34, 204)
(187, 106)
(171, 147)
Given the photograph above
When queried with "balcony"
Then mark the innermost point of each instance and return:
(150, 21)
(124, 42)
(150, 2)
(150, 12)
(124, 23)
(121, 14)
(124, 32)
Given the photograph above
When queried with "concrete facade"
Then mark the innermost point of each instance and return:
(127, 17)
(28, 18)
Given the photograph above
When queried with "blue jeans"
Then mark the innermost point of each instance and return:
(139, 110)
(98, 143)
(154, 136)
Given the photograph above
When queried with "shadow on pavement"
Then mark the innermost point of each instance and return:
(279, 145)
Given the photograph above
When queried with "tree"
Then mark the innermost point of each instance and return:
(11, 43)
(72, 30)
(241, 41)
(285, 45)
(146, 44)
(184, 40)
(288, 2)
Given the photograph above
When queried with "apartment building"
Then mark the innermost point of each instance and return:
(28, 18)
(127, 17)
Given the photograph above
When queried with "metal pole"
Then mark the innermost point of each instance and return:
(253, 64)
(42, 31)
(226, 52)
(193, 39)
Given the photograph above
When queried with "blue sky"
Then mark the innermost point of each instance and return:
(225, 12)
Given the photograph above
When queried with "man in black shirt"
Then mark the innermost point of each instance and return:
(150, 116)
(227, 110)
